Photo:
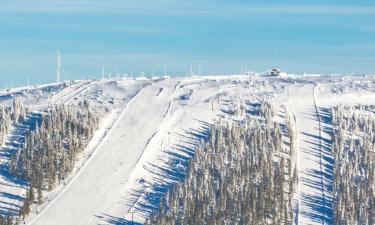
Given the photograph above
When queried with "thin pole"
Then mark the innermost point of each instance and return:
(165, 71)
(249, 80)
(28, 92)
(58, 67)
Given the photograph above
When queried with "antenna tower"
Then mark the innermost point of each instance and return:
(165, 71)
(58, 72)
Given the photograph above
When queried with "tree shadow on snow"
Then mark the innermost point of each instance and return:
(320, 204)
(12, 145)
(145, 200)
(115, 220)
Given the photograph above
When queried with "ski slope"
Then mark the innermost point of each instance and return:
(113, 159)
(12, 188)
(311, 194)
(149, 129)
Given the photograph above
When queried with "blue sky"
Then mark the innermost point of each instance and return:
(218, 35)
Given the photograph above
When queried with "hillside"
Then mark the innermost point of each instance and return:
(149, 129)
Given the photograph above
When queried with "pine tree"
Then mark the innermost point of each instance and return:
(235, 177)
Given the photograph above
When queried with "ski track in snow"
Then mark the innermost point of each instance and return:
(313, 205)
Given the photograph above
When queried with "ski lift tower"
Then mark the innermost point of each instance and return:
(58, 70)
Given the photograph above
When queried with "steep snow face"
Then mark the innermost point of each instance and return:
(149, 129)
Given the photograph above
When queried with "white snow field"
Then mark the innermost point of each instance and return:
(149, 130)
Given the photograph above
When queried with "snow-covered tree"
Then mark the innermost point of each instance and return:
(236, 177)
(49, 151)
(354, 153)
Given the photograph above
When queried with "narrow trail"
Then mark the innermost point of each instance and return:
(311, 208)
(65, 99)
(65, 96)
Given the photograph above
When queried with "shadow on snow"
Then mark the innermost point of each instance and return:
(13, 143)
(320, 204)
(175, 161)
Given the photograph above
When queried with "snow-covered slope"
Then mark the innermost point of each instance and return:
(149, 129)
(311, 187)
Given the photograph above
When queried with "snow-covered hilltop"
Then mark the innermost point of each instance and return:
(148, 129)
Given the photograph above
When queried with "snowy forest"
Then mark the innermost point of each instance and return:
(241, 174)
(244, 170)
(10, 115)
(49, 151)
(354, 178)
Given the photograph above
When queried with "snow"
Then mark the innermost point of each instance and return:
(149, 129)
(311, 187)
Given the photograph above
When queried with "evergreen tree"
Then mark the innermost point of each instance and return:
(236, 177)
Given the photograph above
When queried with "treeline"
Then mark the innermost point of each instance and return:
(238, 176)
(50, 150)
(15, 113)
(354, 169)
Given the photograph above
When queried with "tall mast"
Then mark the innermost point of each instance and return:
(165, 71)
(28, 92)
(58, 67)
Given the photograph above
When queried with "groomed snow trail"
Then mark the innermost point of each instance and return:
(311, 207)
(110, 166)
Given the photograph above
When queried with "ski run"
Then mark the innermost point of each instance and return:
(144, 124)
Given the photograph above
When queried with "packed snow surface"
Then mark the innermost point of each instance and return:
(147, 126)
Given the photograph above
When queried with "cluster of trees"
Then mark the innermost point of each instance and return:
(49, 151)
(10, 115)
(354, 154)
(238, 176)
(6, 220)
